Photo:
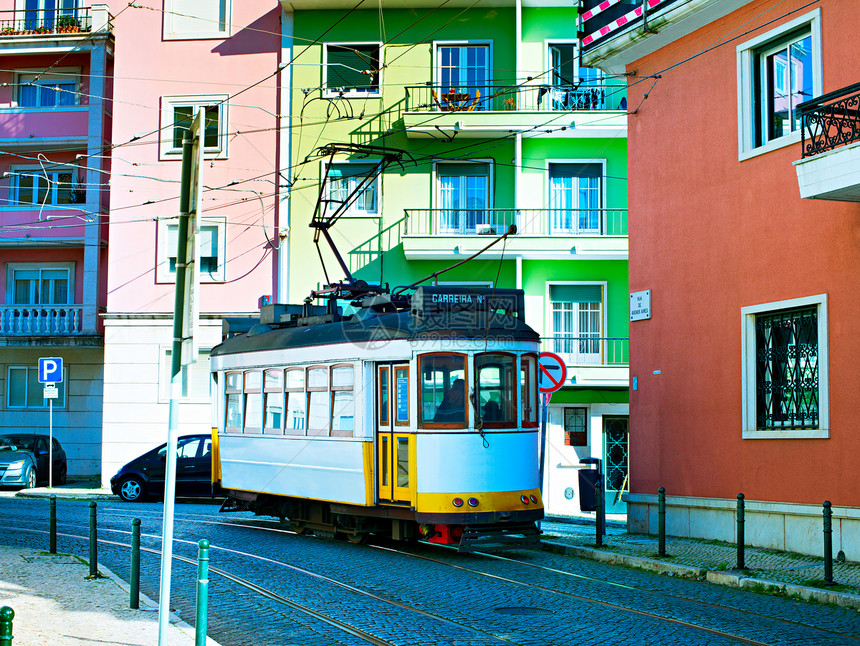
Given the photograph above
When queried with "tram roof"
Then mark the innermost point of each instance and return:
(365, 326)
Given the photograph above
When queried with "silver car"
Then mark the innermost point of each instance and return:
(24, 460)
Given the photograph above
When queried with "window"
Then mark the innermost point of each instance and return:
(342, 401)
(273, 402)
(464, 72)
(401, 396)
(186, 448)
(253, 401)
(46, 13)
(343, 179)
(47, 90)
(576, 322)
(443, 390)
(496, 389)
(528, 390)
(213, 250)
(352, 68)
(233, 389)
(785, 378)
(178, 113)
(37, 187)
(296, 401)
(195, 377)
(575, 427)
(196, 19)
(575, 197)
(776, 72)
(384, 401)
(25, 391)
(40, 285)
(464, 198)
(573, 87)
(318, 401)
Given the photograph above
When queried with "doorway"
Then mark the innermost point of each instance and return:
(394, 442)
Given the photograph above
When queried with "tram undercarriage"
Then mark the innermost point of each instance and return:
(356, 524)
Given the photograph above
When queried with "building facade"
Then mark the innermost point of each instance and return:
(55, 120)
(498, 125)
(746, 236)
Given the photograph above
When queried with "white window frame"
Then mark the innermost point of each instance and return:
(12, 267)
(51, 175)
(353, 210)
(169, 103)
(437, 187)
(165, 368)
(748, 374)
(162, 268)
(334, 92)
(604, 306)
(437, 67)
(65, 74)
(747, 55)
(62, 387)
(548, 188)
(169, 32)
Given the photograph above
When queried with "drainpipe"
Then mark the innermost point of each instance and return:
(285, 111)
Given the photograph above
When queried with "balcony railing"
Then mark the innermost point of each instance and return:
(573, 222)
(830, 120)
(589, 350)
(585, 95)
(45, 21)
(41, 320)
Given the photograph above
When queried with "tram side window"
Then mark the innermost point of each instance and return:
(318, 401)
(296, 401)
(528, 390)
(342, 401)
(273, 402)
(233, 388)
(253, 401)
(443, 390)
(496, 389)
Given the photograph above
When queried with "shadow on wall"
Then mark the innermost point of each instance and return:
(260, 37)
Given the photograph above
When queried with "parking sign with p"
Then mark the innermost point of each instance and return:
(50, 370)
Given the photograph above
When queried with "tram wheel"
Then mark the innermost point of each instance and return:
(299, 527)
(359, 538)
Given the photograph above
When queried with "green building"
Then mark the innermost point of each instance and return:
(501, 127)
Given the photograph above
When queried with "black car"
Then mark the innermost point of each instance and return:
(24, 460)
(143, 477)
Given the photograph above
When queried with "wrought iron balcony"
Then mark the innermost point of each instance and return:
(545, 222)
(830, 120)
(41, 320)
(34, 22)
(585, 95)
(589, 350)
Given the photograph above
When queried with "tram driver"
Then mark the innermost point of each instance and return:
(452, 407)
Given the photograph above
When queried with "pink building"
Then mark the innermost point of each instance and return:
(55, 121)
(225, 58)
(744, 163)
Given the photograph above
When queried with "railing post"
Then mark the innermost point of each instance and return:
(52, 525)
(740, 564)
(6, 617)
(599, 516)
(828, 543)
(202, 592)
(661, 521)
(94, 550)
(134, 583)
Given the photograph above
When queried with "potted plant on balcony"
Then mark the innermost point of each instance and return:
(7, 31)
(68, 25)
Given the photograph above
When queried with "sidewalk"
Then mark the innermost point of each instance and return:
(771, 571)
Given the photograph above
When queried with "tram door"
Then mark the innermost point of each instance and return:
(393, 437)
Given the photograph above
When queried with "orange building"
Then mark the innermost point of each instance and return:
(745, 227)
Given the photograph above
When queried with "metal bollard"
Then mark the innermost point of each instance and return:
(601, 510)
(134, 583)
(740, 531)
(661, 521)
(202, 592)
(52, 525)
(828, 543)
(94, 550)
(6, 617)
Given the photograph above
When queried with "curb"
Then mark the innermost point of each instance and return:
(718, 577)
(66, 494)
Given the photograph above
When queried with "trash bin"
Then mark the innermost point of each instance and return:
(587, 479)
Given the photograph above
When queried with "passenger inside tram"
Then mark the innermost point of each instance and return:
(452, 408)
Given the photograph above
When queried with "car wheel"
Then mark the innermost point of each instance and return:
(131, 489)
(61, 479)
(31, 478)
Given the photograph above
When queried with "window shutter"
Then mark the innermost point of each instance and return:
(575, 293)
(463, 170)
(198, 16)
(208, 241)
(576, 170)
(345, 64)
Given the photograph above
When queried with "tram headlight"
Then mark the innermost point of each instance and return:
(458, 502)
(525, 499)
(533, 498)
(473, 502)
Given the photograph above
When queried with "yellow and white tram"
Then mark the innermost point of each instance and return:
(416, 416)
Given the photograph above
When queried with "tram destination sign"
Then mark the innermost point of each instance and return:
(476, 299)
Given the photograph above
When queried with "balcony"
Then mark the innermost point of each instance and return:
(541, 233)
(33, 28)
(497, 110)
(56, 128)
(25, 322)
(592, 361)
(829, 168)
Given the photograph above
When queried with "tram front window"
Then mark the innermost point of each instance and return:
(496, 389)
(443, 389)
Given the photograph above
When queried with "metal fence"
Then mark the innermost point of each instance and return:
(577, 222)
(45, 21)
(589, 350)
(830, 120)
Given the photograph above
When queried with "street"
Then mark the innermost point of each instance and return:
(308, 590)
